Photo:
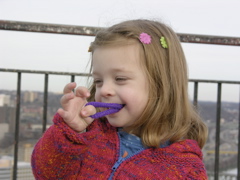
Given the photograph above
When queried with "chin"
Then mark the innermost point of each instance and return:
(115, 123)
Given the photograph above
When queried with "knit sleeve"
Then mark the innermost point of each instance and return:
(190, 156)
(58, 154)
(197, 174)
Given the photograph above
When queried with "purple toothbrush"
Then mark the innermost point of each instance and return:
(113, 108)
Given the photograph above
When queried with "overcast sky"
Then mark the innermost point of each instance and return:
(40, 51)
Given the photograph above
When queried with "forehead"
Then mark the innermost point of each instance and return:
(118, 58)
(130, 50)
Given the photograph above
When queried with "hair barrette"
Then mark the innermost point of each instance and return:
(163, 42)
(90, 47)
(111, 108)
(145, 38)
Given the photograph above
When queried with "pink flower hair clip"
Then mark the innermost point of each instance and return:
(145, 38)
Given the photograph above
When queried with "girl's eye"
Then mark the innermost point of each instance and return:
(121, 79)
(97, 81)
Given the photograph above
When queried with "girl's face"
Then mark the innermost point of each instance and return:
(120, 78)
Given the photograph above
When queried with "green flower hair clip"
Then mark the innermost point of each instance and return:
(163, 42)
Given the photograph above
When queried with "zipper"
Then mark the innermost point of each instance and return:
(115, 166)
(121, 159)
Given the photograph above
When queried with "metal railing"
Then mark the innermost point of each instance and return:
(23, 173)
(91, 31)
(73, 75)
(223, 176)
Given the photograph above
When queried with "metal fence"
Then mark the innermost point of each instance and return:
(91, 31)
(23, 173)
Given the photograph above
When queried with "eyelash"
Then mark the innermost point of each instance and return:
(98, 81)
(120, 79)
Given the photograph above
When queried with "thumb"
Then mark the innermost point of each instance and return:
(88, 111)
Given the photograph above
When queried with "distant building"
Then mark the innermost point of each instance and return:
(30, 96)
(4, 100)
(7, 115)
(4, 128)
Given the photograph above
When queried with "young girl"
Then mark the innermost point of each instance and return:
(156, 134)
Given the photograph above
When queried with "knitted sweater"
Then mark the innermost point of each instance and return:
(64, 154)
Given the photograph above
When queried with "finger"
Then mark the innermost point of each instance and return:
(65, 98)
(65, 115)
(82, 92)
(88, 121)
(88, 111)
(62, 113)
(69, 87)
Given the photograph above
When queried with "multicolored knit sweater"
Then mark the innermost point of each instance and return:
(64, 154)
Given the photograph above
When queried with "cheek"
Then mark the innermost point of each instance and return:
(97, 96)
(134, 97)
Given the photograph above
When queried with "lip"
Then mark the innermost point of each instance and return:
(104, 108)
(115, 114)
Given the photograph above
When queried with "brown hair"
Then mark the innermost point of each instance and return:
(169, 115)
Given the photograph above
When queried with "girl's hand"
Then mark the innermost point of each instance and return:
(73, 111)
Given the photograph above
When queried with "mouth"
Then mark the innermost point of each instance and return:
(108, 108)
(113, 106)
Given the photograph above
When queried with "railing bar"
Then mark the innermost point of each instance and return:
(217, 144)
(43, 72)
(87, 74)
(214, 81)
(195, 94)
(45, 104)
(92, 31)
(17, 120)
(238, 164)
(206, 39)
(48, 28)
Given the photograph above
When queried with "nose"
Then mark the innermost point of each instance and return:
(107, 89)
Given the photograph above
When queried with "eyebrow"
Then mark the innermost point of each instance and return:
(115, 70)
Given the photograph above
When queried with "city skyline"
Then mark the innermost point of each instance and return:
(30, 130)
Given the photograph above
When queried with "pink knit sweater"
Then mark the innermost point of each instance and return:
(64, 154)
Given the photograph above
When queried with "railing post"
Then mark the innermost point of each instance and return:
(217, 144)
(238, 164)
(195, 95)
(45, 103)
(72, 78)
(17, 120)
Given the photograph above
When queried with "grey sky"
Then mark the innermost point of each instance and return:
(22, 50)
